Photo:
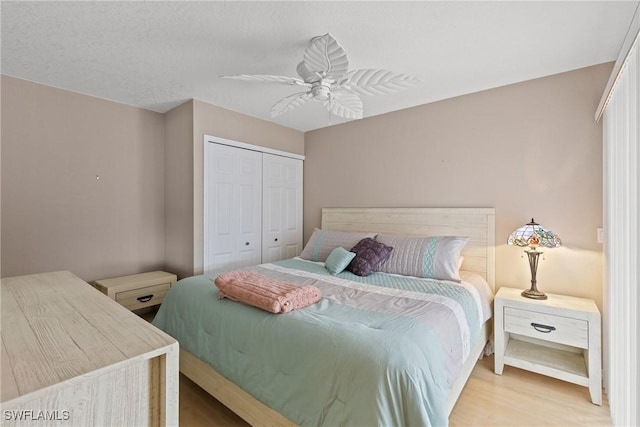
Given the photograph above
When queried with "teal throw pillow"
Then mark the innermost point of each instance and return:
(338, 260)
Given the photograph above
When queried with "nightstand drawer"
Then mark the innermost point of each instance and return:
(143, 297)
(548, 327)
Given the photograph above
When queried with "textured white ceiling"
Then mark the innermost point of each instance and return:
(157, 55)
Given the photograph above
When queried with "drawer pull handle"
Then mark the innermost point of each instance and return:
(543, 328)
(145, 298)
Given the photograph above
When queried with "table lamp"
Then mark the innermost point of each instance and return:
(533, 236)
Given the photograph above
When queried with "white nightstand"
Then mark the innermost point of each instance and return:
(558, 337)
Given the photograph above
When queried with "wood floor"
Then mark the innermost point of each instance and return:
(517, 398)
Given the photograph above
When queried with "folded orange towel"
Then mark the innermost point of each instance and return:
(263, 292)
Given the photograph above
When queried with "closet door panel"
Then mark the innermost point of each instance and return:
(222, 228)
(247, 207)
(292, 219)
(249, 236)
(282, 214)
(271, 227)
(233, 206)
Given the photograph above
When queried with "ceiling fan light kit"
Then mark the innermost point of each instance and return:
(324, 73)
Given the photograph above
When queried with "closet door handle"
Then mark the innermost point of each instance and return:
(246, 244)
(545, 329)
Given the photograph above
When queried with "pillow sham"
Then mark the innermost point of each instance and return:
(338, 260)
(369, 255)
(322, 242)
(430, 257)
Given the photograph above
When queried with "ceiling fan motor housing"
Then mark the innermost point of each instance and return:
(321, 91)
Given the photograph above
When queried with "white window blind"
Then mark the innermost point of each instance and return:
(621, 140)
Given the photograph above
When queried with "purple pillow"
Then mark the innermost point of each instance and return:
(369, 255)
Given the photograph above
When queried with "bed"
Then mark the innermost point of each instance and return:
(359, 356)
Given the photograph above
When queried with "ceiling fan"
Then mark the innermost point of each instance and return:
(324, 73)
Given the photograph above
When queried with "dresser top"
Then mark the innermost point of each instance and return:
(55, 327)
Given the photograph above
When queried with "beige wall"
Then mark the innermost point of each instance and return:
(185, 167)
(145, 211)
(530, 150)
(178, 179)
(56, 214)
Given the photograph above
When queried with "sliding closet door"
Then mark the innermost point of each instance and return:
(282, 208)
(233, 207)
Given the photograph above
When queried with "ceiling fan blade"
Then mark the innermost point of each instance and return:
(289, 103)
(345, 104)
(267, 78)
(376, 82)
(306, 74)
(325, 57)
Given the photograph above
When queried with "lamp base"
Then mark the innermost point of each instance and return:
(533, 291)
(533, 294)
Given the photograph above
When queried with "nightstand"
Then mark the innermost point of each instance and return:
(137, 291)
(558, 337)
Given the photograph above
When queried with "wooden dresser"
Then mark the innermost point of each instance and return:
(73, 356)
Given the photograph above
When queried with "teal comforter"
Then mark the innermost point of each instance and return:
(380, 350)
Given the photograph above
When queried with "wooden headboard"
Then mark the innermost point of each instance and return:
(477, 223)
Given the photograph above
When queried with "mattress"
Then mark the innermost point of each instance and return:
(378, 350)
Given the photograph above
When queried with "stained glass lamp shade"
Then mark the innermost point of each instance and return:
(534, 236)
